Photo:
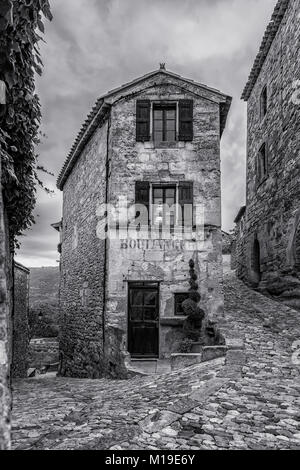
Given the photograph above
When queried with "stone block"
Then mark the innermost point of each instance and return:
(213, 352)
(154, 255)
(181, 361)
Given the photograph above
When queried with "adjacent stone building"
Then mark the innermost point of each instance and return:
(153, 143)
(5, 323)
(20, 321)
(268, 229)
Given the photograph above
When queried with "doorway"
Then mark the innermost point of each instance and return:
(143, 319)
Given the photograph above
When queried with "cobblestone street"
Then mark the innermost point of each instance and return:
(255, 405)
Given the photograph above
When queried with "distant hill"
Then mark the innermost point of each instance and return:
(44, 285)
(44, 301)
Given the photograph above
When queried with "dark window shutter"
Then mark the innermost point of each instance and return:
(186, 120)
(142, 195)
(186, 200)
(143, 120)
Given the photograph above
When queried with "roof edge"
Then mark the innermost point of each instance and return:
(267, 41)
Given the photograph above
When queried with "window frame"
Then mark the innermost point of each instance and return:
(264, 102)
(164, 187)
(164, 106)
(261, 177)
(176, 295)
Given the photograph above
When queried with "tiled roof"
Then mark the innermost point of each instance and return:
(101, 109)
(267, 41)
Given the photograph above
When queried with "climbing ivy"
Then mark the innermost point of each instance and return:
(21, 23)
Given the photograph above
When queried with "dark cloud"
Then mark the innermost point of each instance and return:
(96, 45)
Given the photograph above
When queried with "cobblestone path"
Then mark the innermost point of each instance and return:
(253, 404)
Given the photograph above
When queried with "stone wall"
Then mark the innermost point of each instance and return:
(5, 329)
(20, 321)
(43, 352)
(273, 211)
(82, 264)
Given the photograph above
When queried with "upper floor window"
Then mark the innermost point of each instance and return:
(164, 200)
(262, 163)
(164, 121)
(165, 205)
(264, 102)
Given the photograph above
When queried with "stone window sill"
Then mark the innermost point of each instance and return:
(165, 145)
(172, 321)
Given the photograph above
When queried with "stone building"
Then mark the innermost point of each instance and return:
(154, 142)
(227, 240)
(5, 323)
(20, 321)
(268, 229)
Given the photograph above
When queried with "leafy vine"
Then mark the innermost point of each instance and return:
(21, 22)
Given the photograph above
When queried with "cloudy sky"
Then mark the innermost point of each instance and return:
(93, 46)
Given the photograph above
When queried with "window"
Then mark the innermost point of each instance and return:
(262, 163)
(164, 200)
(179, 299)
(164, 123)
(170, 203)
(264, 102)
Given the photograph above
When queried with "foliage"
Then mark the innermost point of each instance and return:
(193, 324)
(186, 346)
(19, 134)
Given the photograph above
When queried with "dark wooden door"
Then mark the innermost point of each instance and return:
(143, 319)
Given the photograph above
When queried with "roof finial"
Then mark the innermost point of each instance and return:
(162, 66)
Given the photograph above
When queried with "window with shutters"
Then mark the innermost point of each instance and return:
(165, 204)
(167, 122)
(262, 164)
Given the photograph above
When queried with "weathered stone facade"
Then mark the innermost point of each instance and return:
(20, 321)
(104, 166)
(267, 250)
(5, 327)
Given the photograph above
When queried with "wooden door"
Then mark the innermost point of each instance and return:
(143, 319)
